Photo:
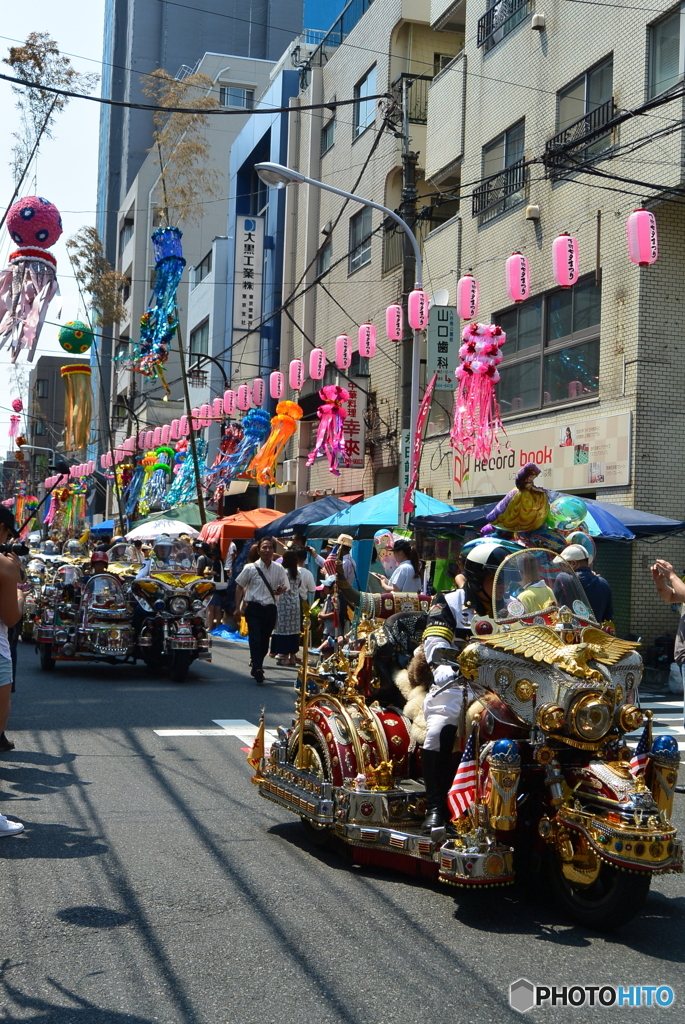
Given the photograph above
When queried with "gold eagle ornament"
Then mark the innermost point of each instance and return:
(540, 643)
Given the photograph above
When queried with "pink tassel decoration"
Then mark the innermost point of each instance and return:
(14, 426)
(477, 420)
(329, 437)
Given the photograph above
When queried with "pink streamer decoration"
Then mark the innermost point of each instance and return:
(424, 409)
(477, 421)
(14, 426)
(329, 437)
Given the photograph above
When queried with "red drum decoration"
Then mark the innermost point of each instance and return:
(643, 245)
(296, 374)
(244, 397)
(394, 322)
(517, 276)
(417, 309)
(565, 260)
(343, 352)
(258, 391)
(156, 437)
(229, 402)
(367, 341)
(276, 384)
(218, 408)
(317, 364)
(468, 295)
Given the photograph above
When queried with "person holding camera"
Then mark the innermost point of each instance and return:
(10, 613)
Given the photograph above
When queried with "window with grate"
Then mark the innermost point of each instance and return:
(203, 268)
(583, 108)
(364, 110)
(552, 350)
(327, 135)
(42, 387)
(199, 341)
(360, 240)
(503, 174)
(236, 96)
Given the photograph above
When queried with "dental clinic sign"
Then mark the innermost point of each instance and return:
(574, 456)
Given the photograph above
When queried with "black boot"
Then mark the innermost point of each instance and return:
(439, 768)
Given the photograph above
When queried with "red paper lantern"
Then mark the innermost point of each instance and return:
(277, 384)
(565, 260)
(468, 296)
(517, 275)
(417, 309)
(643, 244)
(394, 322)
(317, 364)
(343, 352)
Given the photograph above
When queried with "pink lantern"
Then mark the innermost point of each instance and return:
(149, 438)
(317, 364)
(218, 408)
(175, 432)
(517, 276)
(367, 341)
(277, 384)
(118, 456)
(130, 445)
(156, 437)
(343, 352)
(229, 402)
(244, 397)
(141, 440)
(643, 246)
(296, 374)
(91, 466)
(565, 260)
(258, 391)
(205, 415)
(183, 427)
(166, 432)
(417, 309)
(394, 322)
(195, 418)
(468, 295)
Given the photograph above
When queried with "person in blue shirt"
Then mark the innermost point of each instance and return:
(596, 587)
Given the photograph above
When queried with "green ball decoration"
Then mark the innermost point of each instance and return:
(75, 337)
(566, 513)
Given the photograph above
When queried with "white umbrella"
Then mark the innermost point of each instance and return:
(155, 528)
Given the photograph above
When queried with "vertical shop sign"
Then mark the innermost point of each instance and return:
(248, 273)
(442, 351)
(354, 429)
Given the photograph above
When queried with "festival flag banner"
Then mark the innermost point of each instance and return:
(424, 409)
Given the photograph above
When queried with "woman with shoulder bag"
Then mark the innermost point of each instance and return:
(285, 641)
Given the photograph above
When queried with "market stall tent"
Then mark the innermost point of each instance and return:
(365, 518)
(300, 518)
(240, 526)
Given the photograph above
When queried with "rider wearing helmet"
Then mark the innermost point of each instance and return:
(160, 555)
(449, 618)
(98, 563)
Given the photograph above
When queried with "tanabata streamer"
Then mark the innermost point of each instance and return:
(256, 425)
(162, 470)
(422, 419)
(477, 420)
(14, 425)
(184, 488)
(29, 283)
(283, 426)
(330, 440)
(132, 492)
(79, 405)
(159, 321)
(233, 435)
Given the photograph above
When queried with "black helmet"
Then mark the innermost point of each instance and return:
(482, 560)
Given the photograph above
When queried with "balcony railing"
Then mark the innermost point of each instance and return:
(417, 95)
(586, 137)
(500, 20)
(499, 192)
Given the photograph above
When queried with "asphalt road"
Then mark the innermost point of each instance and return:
(152, 883)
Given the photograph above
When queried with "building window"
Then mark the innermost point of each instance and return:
(199, 340)
(665, 58)
(125, 234)
(327, 135)
(552, 350)
(584, 108)
(41, 428)
(364, 110)
(42, 387)
(324, 260)
(236, 96)
(440, 62)
(504, 175)
(360, 239)
(203, 268)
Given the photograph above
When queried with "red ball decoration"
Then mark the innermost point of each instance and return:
(34, 221)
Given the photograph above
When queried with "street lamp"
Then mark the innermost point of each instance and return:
(278, 176)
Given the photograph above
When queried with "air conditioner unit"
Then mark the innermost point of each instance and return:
(290, 471)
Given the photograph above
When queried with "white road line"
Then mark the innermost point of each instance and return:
(239, 728)
(190, 732)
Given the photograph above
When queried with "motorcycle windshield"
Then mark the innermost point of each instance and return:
(103, 591)
(68, 574)
(535, 585)
(74, 549)
(179, 558)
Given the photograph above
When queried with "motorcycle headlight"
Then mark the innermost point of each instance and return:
(197, 605)
(591, 716)
(178, 605)
(630, 718)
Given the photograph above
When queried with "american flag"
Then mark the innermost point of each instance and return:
(463, 791)
(639, 759)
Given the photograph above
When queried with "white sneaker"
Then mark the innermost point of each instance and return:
(9, 828)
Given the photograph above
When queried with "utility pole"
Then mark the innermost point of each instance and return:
(408, 214)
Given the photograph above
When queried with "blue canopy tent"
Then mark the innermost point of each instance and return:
(300, 518)
(106, 527)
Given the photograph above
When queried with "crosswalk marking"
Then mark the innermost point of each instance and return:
(238, 727)
(667, 719)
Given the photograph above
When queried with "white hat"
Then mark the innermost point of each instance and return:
(573, 553)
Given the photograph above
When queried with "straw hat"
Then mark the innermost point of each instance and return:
(345, 539)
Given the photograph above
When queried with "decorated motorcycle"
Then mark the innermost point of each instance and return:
(547, 782)
(171, 599)
(84, 618)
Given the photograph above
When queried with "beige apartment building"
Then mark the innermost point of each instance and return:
(344, 246)
(540, 118)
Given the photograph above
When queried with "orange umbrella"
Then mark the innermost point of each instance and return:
(240, 526)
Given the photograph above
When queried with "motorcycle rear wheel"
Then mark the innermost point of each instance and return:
(318, 835)
(181, 662)
(47, 662)
(613, 900)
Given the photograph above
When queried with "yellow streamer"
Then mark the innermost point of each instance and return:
(79, 405)
(283, 426)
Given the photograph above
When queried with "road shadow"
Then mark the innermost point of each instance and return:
(51, 842)
(33, 781)
(36, 757)
(93, 917)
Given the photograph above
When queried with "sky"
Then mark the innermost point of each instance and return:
(66, 169)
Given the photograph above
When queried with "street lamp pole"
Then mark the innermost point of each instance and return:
(278, 176)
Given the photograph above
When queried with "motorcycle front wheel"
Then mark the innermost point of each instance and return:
(180, 663)
(613, 899)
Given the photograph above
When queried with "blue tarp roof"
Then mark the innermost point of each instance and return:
(105, 527)
(611, 522)
(365, 518)
(302, 517)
